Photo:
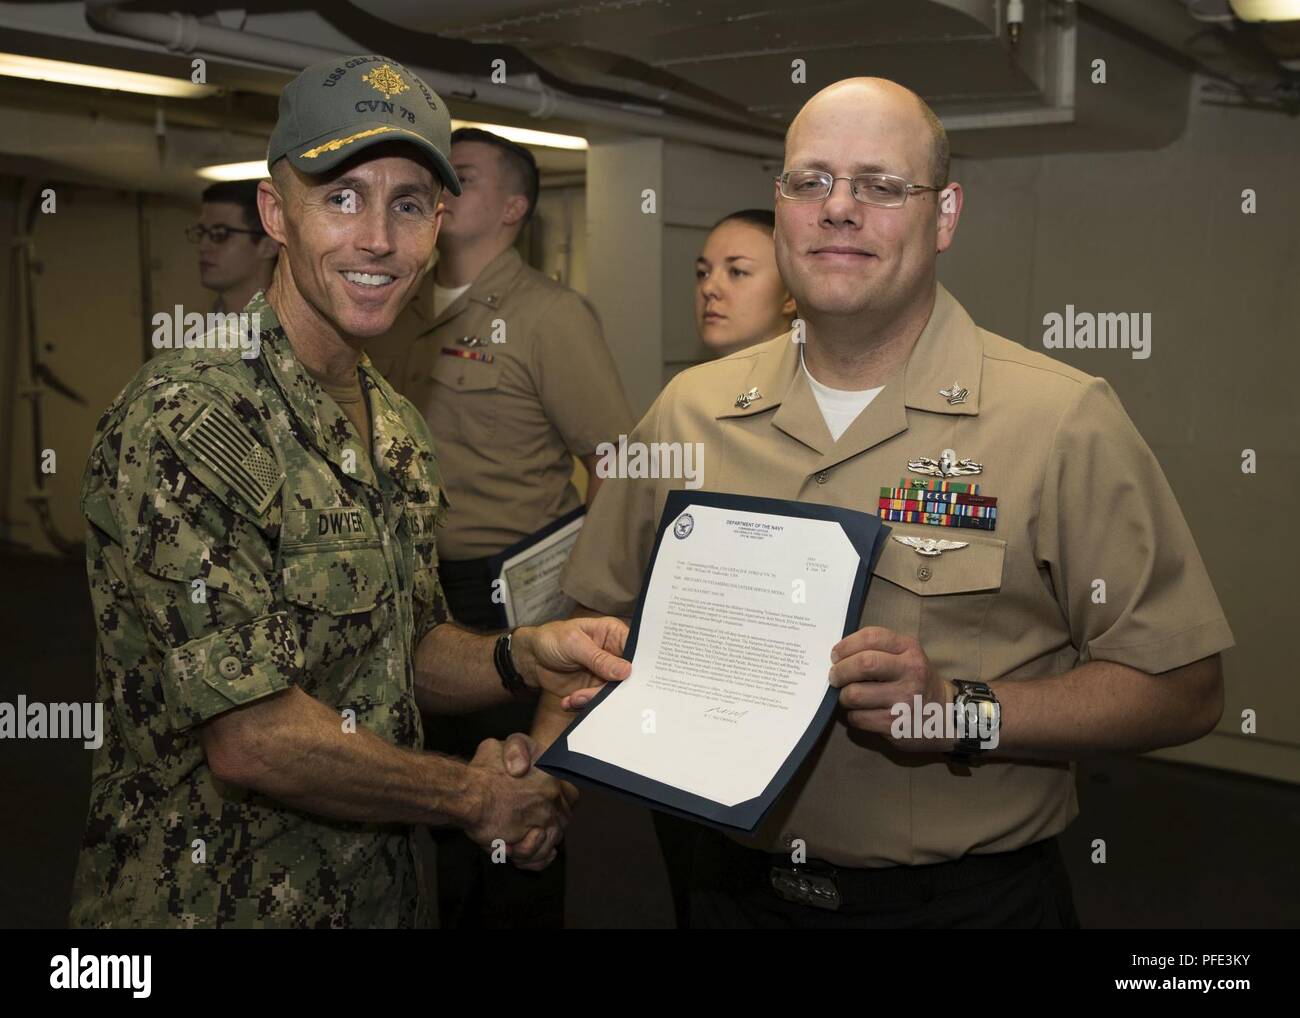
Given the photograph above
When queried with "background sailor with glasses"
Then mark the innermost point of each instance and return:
(236, 257)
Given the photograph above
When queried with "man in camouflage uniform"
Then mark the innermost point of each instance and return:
(263, 577)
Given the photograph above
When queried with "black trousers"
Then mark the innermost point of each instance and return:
(731, 887)
(677, 845)
(473, 891)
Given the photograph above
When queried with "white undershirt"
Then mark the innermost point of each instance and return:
(443, 297)
(839, 407)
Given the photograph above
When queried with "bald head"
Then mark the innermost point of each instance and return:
(853, 99)
(846, 258)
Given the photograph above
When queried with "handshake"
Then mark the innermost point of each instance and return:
(520, 809)
(513, 805)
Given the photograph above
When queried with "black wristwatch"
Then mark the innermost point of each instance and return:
(987, 714)
(505, 664)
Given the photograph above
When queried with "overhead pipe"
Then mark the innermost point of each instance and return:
(184, 33)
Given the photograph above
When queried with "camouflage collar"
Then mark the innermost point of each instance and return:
(321, 416)
(395, 451)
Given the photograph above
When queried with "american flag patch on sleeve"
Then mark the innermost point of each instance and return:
(227, 449)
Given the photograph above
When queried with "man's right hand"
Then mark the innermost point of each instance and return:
(523, 807)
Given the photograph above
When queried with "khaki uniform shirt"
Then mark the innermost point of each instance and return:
(240, 542)
(506, 429)
(1080, 498)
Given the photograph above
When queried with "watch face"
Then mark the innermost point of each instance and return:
(979, 717)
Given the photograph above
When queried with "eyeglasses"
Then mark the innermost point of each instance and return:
(216, 234)
(881, 189)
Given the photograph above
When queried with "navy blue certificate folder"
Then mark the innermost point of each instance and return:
(867, 535)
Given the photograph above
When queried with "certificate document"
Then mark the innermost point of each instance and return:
(731, 642)
(526, 576)
(530, 578)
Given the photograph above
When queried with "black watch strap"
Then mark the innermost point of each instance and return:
(505, 665)
(970, 691)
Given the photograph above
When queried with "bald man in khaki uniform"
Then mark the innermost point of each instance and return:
(896, 831)
(513, 376)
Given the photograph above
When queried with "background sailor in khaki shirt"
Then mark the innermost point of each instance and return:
(509, 367)
(740, 298)
(903, 834)
(514, 378)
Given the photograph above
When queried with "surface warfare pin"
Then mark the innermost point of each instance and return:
(947, 465)
(746, 398)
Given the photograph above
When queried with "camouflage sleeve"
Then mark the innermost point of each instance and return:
(183, 490)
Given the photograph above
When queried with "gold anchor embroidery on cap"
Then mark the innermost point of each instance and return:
(386, 81)
(930, 545)
(955, 395)
(746, 398)
(947, 465)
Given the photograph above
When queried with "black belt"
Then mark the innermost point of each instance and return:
(823, 885)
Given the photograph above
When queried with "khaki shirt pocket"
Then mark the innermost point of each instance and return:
(463, 401)
(976, 567)
(944, 597)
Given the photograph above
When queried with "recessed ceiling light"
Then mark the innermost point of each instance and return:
(254, 169)
(527, 136)
(15, 65)
(1266, 10)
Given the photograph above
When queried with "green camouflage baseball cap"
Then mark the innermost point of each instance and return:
(337, 108)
